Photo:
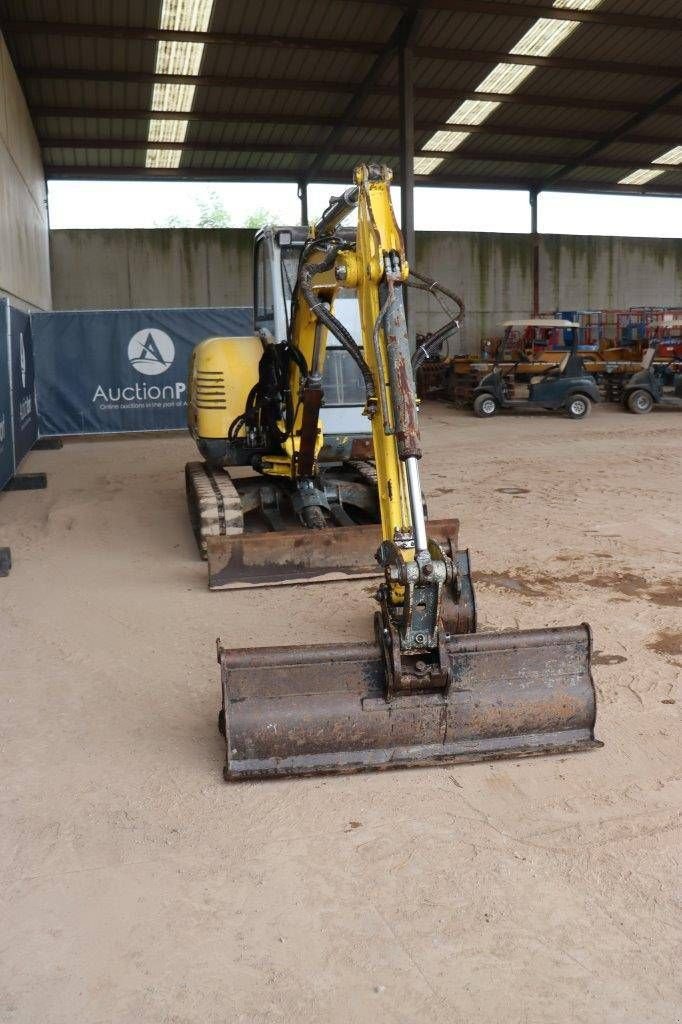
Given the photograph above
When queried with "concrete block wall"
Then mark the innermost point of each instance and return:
(579, 272)
(493, 273)
(161, 267)
(24, 229)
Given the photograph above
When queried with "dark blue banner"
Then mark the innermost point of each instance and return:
(124, 370)
(24, 416)
(6, 445)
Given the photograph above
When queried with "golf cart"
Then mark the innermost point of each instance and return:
(562, 385)
(648, 387)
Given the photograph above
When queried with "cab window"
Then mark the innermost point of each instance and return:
(342, 380)
(263, 298)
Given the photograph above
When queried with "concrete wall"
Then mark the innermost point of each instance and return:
(171, 267)
(578, 272)
(24, 234)
(492, 274)
(162, 267)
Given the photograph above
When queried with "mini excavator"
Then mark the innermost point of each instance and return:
(267, 466)
(429, 689)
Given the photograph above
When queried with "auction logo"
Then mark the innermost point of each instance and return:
(22, 362)
(151, 351)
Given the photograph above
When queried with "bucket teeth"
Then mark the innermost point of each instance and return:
(322, 709)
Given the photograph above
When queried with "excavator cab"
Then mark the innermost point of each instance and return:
(347, 433)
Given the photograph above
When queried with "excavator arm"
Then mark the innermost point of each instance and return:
(417, 570)
(429, 689)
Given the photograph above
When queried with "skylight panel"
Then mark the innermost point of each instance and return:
(160, 158)
(541, 40)
(446, 140)
(176, 58)
(640, 177)
(505, 78)
(173, 58)
(673, 157)
(173, 97)
(186, 15)
(577, 5)
(167, 131)
(543, 37)
(473, 112)
(425, 165)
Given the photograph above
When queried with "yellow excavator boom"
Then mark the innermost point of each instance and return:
(429, 689)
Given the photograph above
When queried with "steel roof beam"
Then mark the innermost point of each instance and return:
(467, 56)
(530, 11)
(618, 136)
(151, 78)
(492, 156)
(154, 34)
(487, 7)
(310, 120)
(515, 99)
(562, 63)
(402, 31)
(141, 173)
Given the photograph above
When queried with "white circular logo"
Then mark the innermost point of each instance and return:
(151, 351)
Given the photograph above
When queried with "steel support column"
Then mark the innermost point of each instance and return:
(303, 196)
(406, 78)
(406, 87)
(535, 250)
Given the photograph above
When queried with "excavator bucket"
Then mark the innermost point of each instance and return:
(305, 556)
(323, 709)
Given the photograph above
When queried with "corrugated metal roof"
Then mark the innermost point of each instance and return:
(267, 107)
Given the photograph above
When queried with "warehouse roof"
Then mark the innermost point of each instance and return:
(579, 95)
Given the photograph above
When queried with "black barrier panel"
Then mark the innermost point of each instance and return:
(121, 370)
(25, 420)
(6, 443)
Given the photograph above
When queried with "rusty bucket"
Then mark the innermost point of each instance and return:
(322, 709)
(305, 556)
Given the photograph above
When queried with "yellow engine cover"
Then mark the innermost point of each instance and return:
(222, 371)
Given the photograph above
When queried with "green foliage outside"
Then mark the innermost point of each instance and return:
(211, 213)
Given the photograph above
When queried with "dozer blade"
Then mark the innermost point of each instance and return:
(305, 556)
(289, 711)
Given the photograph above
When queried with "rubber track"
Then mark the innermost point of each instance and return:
(214, 504)
(367, 470)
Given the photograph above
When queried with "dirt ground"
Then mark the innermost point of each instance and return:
(137, 886)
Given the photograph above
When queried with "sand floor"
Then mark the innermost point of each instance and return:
(137, 886)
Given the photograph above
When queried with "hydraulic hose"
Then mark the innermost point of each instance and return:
(339, 208)
(429, 284)
(320, 311)
(435, 288)
(386, 309)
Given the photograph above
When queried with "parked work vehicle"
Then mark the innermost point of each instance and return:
(429, 689)
(652, 385)
(564, 386)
